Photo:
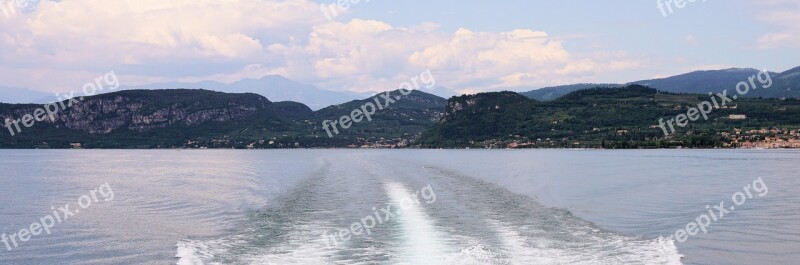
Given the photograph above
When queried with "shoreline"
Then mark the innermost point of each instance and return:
(407, 148)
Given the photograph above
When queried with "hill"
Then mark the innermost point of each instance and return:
(409, 115)
(602, 117)
(203, 118)
(626, 117)
(152, 118)
(551, 93)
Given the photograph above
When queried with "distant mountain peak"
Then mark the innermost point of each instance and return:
(696, 82)
(274, 87)
(736, 69)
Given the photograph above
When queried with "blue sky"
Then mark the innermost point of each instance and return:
(471, 46)
(725, 32)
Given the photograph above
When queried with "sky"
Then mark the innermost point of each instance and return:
(375, 45)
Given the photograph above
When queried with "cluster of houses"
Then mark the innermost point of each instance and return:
(382, 144)
(773, 138)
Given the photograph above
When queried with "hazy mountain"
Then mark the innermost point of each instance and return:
(278, 88)
(274, 87)
(786, 84)
(550, 93)
(22, 95)
(441, 91)
(701, 82)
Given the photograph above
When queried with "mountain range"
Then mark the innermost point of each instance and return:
(274, 87)
(624, 117)
(23, 95)
(279, 88)
(203, 118)
(590, 115)
(785, 84)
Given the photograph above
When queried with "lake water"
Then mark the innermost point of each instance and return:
(420, 206)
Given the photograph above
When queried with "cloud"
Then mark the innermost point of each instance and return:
(149, 37)
(62, 42)
(784, 21)
(369, 55)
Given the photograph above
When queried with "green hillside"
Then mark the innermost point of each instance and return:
(601, 117)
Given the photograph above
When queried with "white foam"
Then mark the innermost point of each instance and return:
(475, 255)
(422, 243)
(199, 253)
(615, 249)
(301, 254)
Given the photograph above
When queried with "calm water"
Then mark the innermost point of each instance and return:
(471, 207)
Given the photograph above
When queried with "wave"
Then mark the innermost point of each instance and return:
(470, 222)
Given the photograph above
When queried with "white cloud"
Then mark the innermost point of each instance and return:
(227, 40)
(364, 55)
(784, 23)
(158, 37)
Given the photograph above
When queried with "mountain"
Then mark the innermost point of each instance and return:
(601, 117)
(148, 118)
(409, 115)
(204, 118)
(279, 88)
(22, 95)
(293, 110)
(441, 91)
(551, 93)
(626, 117)
(274, 87)
(701, 82)
(786, 84)
(788, 81)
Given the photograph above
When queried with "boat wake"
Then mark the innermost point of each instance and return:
(470, 222)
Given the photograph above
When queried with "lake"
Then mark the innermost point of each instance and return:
(399, 206)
